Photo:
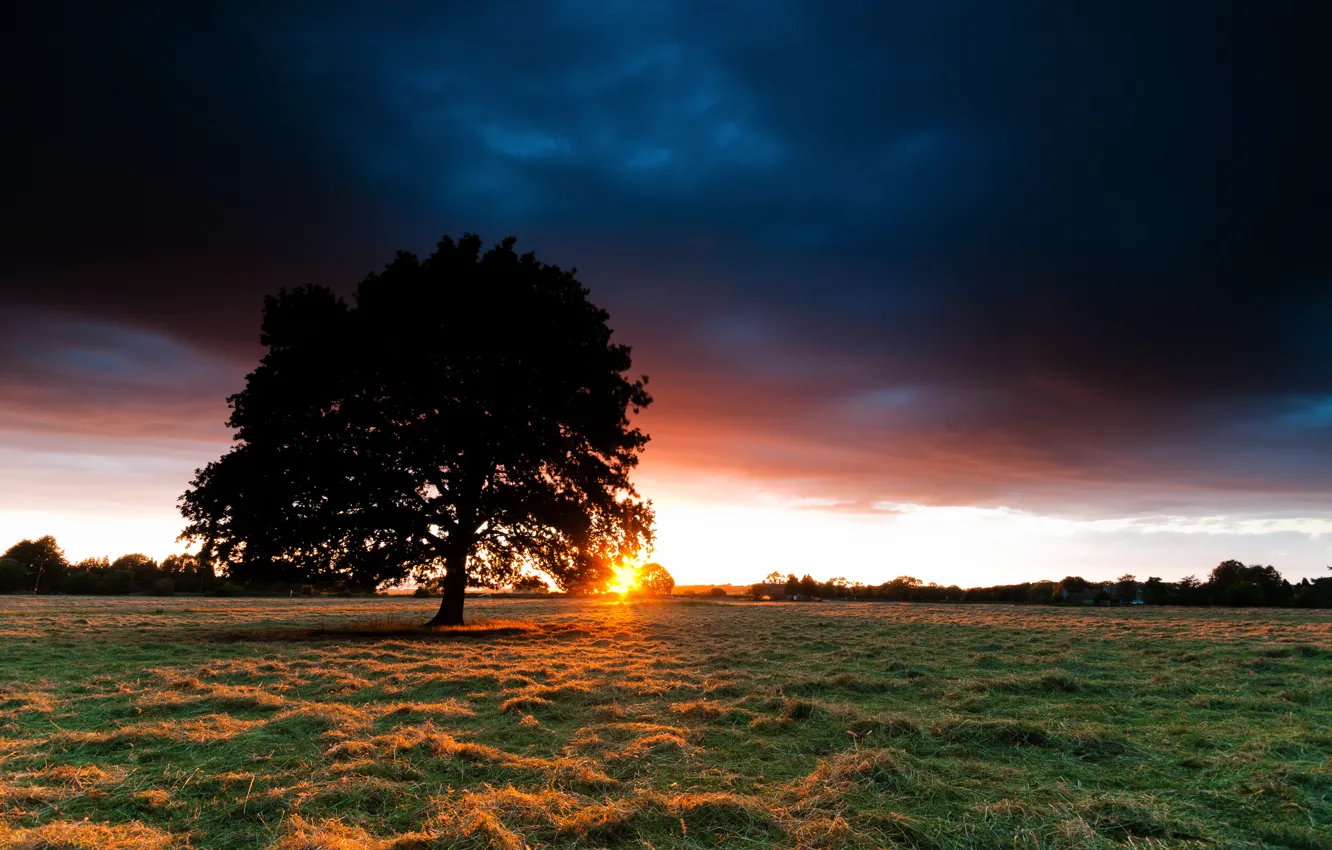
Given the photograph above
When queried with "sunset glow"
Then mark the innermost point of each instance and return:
(626, 579)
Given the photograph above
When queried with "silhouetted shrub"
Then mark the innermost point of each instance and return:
(83, 583)
(13, 576)
(117, 583)
(163, 587)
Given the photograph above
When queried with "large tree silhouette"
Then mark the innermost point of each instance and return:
(467, 412)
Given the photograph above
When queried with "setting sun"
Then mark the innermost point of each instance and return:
(626, 579)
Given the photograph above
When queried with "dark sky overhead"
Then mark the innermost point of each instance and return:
(1063, 257)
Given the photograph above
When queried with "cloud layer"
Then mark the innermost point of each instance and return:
(1062, 257)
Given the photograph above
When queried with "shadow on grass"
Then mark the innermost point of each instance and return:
(380, 630)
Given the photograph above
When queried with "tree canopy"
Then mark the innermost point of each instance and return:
(43, 559)
(654, 579)
(466, 412)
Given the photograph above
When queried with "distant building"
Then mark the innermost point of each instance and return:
(775, 592)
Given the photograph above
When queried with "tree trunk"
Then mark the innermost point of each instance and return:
(455, 588)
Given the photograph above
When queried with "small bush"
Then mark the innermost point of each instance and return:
(163, 587)
(13, 576)
(117, 583)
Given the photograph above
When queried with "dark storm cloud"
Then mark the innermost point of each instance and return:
(1067, 253)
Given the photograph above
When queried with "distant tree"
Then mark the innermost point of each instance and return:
(188, 573)
(13, 576)
(1042, 592)
(116, 583)
(1190, 591)
(774, 577)
(1126, 588)
(835, 588)
(655, 580)
(1155, 591)
(81, 582)
(44, 560)
(143, 567)
(467, 413)
(179, 565)
(1074, 584)
(808, 586)
(717, 591)
(1244, 594)
(900, 588)
(530, 584)
(1229, 584)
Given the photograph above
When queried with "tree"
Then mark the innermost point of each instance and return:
(835, 588)
(530, 584)
(1155, 591)
(774, 577)
(654, 580)
(144, 568)
(187, 572)
(179, 565)
(1126, 588)
(13, 576)
(467, 413)
(1191, 591)
(44, 560)
(901, 587)
(1234, 583)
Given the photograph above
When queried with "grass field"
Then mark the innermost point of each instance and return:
(146, 723)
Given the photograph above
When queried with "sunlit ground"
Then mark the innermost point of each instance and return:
(153, 723)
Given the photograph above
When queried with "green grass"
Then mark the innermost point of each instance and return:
(138, 723)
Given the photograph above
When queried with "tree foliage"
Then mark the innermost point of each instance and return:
(44, 561)
(655, 580)
(530, 584)
(466, 412)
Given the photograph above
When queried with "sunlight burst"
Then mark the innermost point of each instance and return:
(626, 579)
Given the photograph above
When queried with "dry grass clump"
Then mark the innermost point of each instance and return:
(510, 818)
(442, 710)
(524, 703)
(14, 701)
(209, 729)
(153, 798)
(84, 835)
(332, 834)
(54, 784)
(882, 770)
(662, 742)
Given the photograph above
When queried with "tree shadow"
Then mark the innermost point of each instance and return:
(378, 630)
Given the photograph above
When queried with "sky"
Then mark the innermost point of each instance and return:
(977, 292)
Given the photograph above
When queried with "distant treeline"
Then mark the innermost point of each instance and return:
(40, 566)
(1230, 583)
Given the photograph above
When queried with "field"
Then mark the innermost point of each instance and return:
(154, 723)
